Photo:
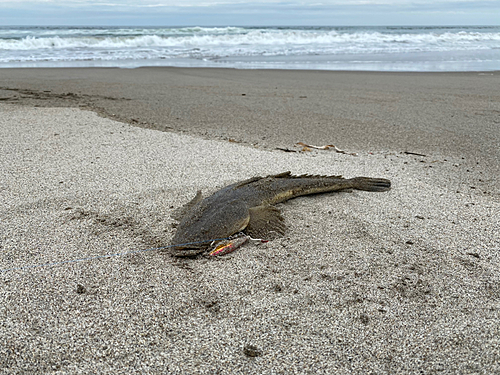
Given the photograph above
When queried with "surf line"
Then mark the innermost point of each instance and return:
(107, 256)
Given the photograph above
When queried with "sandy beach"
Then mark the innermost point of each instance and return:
(95, 161)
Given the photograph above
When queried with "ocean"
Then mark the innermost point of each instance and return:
(437, 48)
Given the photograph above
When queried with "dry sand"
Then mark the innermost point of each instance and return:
(406, 281)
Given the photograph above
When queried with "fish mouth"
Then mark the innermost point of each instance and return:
(187, 252)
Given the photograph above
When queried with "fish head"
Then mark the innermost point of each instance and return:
(188, 244)
(205, 224)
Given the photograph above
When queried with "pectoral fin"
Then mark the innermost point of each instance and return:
(265, 221)
(179, 213)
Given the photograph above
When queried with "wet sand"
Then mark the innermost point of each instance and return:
(405, 281)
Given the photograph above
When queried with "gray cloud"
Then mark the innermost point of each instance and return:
(241, 12)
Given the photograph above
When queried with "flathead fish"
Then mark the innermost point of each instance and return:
(248, 206)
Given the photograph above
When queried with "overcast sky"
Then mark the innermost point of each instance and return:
(244, 13)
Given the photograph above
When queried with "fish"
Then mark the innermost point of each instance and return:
(248, 206)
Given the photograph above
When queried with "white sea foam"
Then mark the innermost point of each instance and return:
(22, 45)
(362, 40)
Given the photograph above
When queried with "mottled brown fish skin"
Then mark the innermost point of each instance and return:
(248, 206)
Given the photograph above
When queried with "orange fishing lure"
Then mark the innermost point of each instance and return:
(228, 246)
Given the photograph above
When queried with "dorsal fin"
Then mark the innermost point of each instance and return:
(281, 175)
(246, 182)
(288, 174)
(253, 179)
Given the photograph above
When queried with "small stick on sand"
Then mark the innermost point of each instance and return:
(326, 147)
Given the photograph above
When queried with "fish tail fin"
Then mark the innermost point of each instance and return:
(371, 184)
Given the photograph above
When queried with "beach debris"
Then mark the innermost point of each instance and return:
(413, 153)
(285, 149)
(306, 147)
(251, 351)
(80, 289)
(365, 319)
(211, 305)
(248, 206)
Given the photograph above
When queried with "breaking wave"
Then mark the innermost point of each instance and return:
(32, 44)
(204, 37)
